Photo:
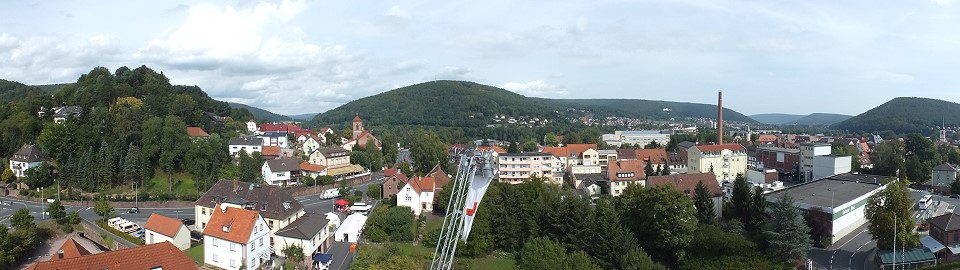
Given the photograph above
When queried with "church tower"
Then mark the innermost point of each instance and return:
(357, 126)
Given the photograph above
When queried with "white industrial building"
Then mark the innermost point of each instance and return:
(637, 137)
(842, 198)
(807, 152)
(825, 166)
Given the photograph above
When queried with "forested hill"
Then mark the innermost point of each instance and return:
(468, 104)
(654, 109)
(821, 119)
(260, 114)
(905, 115)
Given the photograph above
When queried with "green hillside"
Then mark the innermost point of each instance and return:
(821, 119)
(653, 109)
(260, 114)
(303, 117)
(776, 118)
(905, 115)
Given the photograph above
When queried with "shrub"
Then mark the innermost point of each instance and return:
(376, 235)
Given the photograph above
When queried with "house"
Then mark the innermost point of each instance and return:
(313, 170)
(943, 175)
(61, 114)
(575, 154)
(767, 139)
(311, 232)
(270, 152)
(623, 173)
(247, 145)
(214, 117)
(274, 139)
(589, 184)
(70, 249)
(360, 136)
(275, 205)
(160, 228)
(332, 157)
(311, 144)
(196, 133)
(677, 161)
(351, 228)
(281, 172)
(28, 157)
(517, 168)
(657, 157)
(944, 237)
(687, 183)
(236, 238)
(417, 194)
(724, 160)
(285, 128)
(251, 127)
(606, 156)
(163, 255)
(393, 181)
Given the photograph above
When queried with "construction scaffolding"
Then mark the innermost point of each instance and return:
(474, 175)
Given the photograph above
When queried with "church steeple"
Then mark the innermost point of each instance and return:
(357, 126)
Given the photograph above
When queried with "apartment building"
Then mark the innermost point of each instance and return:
(517, 168)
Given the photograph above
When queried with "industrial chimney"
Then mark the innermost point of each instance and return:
(719, 118)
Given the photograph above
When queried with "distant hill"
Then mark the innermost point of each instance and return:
(905, 115)
(776, 118)
(260, 114)
(821, 119)
(468, 104)
(303, 117)
(654, 109)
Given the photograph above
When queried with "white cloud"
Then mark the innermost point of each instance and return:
(536, 88)
(47, 59)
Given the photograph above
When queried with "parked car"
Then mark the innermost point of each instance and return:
(196, 236)
(133, 210)
(955, 196)
(50, 200)
(188, 221)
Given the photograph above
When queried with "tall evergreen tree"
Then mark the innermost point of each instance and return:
(788, 235)
(636, 259)
(611, 237)
(741, 198)
(648, 169)
(132, 163)
(703, 201)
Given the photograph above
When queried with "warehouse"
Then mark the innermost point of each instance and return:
(842, 197)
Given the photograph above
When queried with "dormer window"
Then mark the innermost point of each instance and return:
(263, 207)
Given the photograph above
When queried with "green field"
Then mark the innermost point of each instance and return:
(375, 253)
(183, 183)
(195, 253)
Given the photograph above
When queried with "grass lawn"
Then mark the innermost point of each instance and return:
(195, 253)
(433, 223)
(423, 255)
(160, 183)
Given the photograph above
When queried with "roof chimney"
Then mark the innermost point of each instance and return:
(60, 254)
(719, 118)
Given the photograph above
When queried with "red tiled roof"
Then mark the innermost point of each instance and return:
(687, 183)
(310, 167)
(495, 148)
(626, 166)
(71, 249)
(163, 225)
(357, 119)
(196, 132)
(439, 176)
(421, 184)
(569, 150)
(655, 156)
(719, 147)
(271, 150)
(163, 254)
(240, 221)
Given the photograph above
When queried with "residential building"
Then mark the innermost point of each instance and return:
(840, 199)
(236, 238)
(311, 144)
(196, 133)
(28, 157)
(311, 232)
(214, 117)
(270, 152)
(943, 175)
(160, 228)
(332, 157)
(784, 160)
(393, 181)
(687, 183)
(726, 161)
(824, 166)
(245, 144)
(61, 114)
(281, 172)
(251, 127)
(626, 154)
(360, 136)
(767, 139)
(807, 152)
(585, 169)
(575, 154)
(677, 161)
(312, 170)
(589, 185)
(944, 237)
(163, 255)
(286, 128)
(417, 194)
(70, 249)
(275, 205)
(274, 139)
(656, 157)
(517, 168)
(606, 156)
(637, 137)
(623, 173)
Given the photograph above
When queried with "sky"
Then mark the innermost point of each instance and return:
(296, 57)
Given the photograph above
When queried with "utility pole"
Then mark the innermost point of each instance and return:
(136, 196)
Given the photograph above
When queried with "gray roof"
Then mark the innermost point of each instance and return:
(214, 117)
(28, 153)
(779, 149)
(945, 167)
(279, 203)
(329, 151)
(832, 191)
(283, 165)
(67, 111)
(645, 132)
(305, 227)
(246, 141)
(686, 144)
(946, 222)
(273, 134)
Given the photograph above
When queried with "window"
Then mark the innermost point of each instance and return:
(214, 242)
(233, 247)
(216, 258)
(233, 263)
(261, 241)
(252, 262)
(279, 174)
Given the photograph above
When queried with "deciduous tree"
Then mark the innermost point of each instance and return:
(891, 209)
(662, 218)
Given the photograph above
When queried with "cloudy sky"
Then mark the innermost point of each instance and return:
(296, 57)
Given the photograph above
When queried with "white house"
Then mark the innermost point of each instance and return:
(28, 157)
(281, 172)
(311, 232)
(351, 228)
(312, 170)
(252, 127)
(245, 144)
(274, 204)
(311, 144)
(332, 157)
(417, 194)
(943, 175)
(236, 238)
(274, 139)
(160, 228)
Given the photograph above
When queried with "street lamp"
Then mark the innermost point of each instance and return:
(42, 207)
(136, 196)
